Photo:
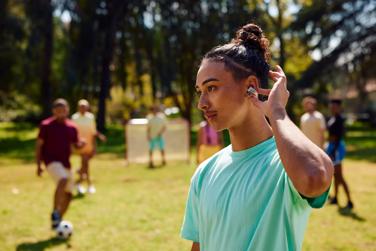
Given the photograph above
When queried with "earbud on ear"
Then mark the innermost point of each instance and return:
(251, 91)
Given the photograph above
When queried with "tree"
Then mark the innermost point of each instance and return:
(338, 32)
(41, 20)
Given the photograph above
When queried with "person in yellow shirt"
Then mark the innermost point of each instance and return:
(85, 122)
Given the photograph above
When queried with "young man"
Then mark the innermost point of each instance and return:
(336, 149)
(87, 130)
(56, 136)
(312, 122)
(155, 129)
(257, 193)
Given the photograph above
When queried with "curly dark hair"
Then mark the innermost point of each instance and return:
(246, 54)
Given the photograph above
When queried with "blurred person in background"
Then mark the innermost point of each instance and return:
(56, 136)
(87, 130)
(209, 141)
(336, 149)
(155, 128)
(312, 122)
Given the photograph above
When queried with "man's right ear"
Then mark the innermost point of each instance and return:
(251, 91)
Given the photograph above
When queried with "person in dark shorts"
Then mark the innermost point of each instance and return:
(56, 136)
(336, 149)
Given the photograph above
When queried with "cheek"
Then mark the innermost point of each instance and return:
(230, 102)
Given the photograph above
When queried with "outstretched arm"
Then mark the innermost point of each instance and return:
(308, 167)
(195, 246)
(38, 156)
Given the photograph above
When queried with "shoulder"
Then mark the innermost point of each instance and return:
(47, 122)
(318, 114)
(89, 115)
(202, 124)
(304, 117)
(70, 124)
(208, 166)
(75, 116)
(161, 116)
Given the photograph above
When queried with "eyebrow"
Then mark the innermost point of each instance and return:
(208, 80)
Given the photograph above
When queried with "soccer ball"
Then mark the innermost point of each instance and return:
(64, 230)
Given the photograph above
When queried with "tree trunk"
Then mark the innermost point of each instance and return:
(46, 95)
(107, 53)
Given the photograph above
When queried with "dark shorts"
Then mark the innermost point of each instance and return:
(336, 151)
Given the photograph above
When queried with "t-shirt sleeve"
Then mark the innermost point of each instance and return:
(189, 229)
(42, 132)
(315, 202)
(74, 135)
(322, 122)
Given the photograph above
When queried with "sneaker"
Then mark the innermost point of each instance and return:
(55, 219)
(91, 189)
(350, 205)
(81, 189)
(333, 201)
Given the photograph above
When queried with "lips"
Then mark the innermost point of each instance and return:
(210, 115)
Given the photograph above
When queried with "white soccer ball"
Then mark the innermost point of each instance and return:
(64, 230)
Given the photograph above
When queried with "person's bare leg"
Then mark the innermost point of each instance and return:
(89, 181)
(59, 195)
(163, 157)
(337, 180)
(85, 168)
(151, 165)
(81, 172)
(65, 202)
(58, 209)
(344, 184)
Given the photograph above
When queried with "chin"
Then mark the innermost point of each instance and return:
(217, 126)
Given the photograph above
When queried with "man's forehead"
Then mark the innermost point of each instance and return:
(208, 70)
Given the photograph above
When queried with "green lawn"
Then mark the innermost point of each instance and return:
(140, 209)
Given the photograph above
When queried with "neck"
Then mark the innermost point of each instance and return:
(60, 120)
(253, 130)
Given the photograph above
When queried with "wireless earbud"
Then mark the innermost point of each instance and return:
(251, 91)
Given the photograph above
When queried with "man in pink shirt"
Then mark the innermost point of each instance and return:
(56, 136)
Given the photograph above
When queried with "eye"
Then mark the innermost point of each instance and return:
(198, 93)
(211, 88)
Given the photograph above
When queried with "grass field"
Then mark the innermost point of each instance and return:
(140, 209)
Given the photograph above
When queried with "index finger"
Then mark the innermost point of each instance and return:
(279, 70)
(264, 92)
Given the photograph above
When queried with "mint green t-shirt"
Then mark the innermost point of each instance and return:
(242, 201)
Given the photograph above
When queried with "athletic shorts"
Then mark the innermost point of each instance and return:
(336, 151)
(206, 151)
(57, 172)
(157, 142)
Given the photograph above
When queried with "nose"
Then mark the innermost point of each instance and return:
(203, 102)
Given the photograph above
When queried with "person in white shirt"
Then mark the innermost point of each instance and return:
(155, 129)
(85, 122)
(312, 122)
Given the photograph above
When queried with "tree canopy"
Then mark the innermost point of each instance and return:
(150, 50)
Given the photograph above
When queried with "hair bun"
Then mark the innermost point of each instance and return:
(251, 35)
